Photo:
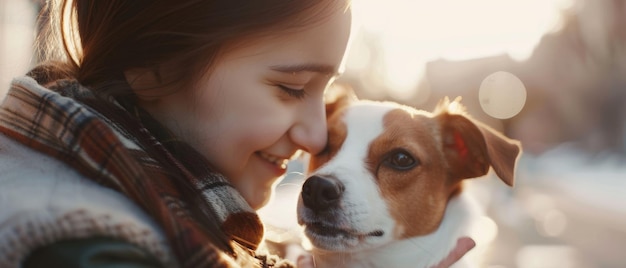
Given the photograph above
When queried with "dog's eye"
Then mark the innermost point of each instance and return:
(400, 160)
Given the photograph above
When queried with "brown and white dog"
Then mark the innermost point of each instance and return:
(387, 191)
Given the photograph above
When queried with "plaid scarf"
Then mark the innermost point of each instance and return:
(199, 210)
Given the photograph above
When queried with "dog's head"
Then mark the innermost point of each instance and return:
(389, 170)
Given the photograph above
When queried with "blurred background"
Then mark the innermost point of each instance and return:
(550, 73)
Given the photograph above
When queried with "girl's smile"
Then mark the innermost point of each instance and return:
(279, 163)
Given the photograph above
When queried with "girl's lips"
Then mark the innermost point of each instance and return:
(279, 163)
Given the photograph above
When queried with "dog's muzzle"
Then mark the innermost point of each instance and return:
(321, 193)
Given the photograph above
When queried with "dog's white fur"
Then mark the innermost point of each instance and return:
(423, 251)
(363, 211)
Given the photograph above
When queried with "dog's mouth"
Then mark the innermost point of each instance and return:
(321, 229)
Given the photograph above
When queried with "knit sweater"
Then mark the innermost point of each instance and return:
(42, 201)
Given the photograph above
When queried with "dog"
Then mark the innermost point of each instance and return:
(387, 191)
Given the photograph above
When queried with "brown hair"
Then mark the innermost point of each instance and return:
(102, 39)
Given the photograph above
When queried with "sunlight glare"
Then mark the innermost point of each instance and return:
(485, 231)
(533, 256)
(502, 95)
(413, 32)
(17, 19)
(553, 223)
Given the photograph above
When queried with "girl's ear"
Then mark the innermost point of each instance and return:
(338, 96)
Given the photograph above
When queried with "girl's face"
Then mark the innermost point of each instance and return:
(260, 105)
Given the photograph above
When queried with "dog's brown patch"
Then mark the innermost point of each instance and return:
(417, 197)
(337, 132)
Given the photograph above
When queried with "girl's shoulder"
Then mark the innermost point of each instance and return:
(42, 201)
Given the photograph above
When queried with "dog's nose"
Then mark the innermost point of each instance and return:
(320, 193)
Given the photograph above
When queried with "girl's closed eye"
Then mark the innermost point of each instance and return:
(294, 92)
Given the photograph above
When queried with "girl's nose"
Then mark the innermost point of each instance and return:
(309, 132)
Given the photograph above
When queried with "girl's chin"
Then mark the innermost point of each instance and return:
(258, 199)
(255, 187)
(255, 195)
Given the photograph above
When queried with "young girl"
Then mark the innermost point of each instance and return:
(150, 140)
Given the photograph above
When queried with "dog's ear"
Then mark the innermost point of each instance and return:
(338, 96)
(471, 147)
(335, 98)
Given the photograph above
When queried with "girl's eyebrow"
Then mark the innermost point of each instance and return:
(307, 67)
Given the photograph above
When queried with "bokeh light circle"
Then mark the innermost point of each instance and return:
(502, 95)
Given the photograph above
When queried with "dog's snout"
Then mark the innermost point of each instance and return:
(320, 193)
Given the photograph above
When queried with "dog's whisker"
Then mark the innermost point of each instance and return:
(422, 247)
(296, 173)
(289, 184)
(415, 243)
(344, 259)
